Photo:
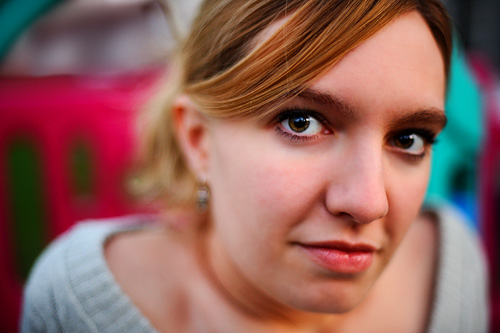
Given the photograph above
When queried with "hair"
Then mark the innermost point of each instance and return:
(228, 72)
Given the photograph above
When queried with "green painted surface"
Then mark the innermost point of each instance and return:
(28, 214)
(16, 16)
(81, 171)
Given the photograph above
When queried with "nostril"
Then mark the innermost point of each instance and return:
(361, 207)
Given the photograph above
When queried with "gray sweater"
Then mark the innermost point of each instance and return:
(71, 288)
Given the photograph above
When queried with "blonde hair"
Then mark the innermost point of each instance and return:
(227, 74)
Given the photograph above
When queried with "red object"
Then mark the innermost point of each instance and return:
(55, 112)
(489, 179)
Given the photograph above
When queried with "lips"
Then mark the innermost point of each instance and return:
(341, 257)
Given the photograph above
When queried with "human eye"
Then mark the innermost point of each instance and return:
(299, 124)
(413, 143)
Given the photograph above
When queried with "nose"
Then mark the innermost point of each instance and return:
(358, 188)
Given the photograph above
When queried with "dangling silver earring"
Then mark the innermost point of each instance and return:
(202, 195)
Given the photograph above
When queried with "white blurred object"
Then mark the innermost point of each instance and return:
(183, 12)
(93, 36)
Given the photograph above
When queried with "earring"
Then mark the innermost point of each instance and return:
(202, 195)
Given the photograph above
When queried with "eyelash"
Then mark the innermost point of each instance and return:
(294, 112)
(428, 136)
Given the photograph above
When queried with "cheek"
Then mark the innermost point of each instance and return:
(261, 190)
(263, 186)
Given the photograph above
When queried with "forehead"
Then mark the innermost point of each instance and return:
(400, 64)
(400, 61)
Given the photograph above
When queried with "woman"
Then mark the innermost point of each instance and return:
(293, 154)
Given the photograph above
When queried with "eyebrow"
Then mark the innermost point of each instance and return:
(327, 100)
(430, 115)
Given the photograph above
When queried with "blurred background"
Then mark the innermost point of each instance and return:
(74, 74)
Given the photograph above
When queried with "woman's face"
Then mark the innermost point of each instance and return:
(309, 205)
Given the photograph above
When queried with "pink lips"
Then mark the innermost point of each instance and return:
(341, 257)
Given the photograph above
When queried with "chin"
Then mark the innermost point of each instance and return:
(331, 302)
(332, 306)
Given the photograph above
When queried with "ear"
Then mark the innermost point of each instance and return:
(192, 134)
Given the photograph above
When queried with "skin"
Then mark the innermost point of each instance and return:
(272, 193)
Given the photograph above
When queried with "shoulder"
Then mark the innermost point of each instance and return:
(461, 299)
(70, 283)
